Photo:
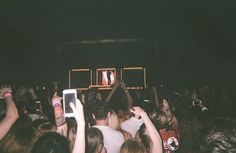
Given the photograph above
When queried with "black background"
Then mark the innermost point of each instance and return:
(183, 41)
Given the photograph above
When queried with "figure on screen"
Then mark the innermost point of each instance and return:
(108, 77)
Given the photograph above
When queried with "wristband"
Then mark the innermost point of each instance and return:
(7, 94)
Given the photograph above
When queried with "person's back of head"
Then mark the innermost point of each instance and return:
(100, 111)
(220, 142)
(20, 138)
(132, 146)
(221, 138)
(46, 127)
(51, 142)
(95, 142)
(25, 99)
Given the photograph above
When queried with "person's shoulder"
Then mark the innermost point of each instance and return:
(101, 127)
(114, 132)
(105, 128)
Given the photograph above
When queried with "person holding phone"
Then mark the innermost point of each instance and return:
(55, 142)
(59, 115)
(69, 96)
(78, 114)
(151, 132)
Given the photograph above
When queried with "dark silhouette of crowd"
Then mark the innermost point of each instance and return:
(158, 119)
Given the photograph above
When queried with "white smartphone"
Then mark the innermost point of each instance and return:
(69, 96)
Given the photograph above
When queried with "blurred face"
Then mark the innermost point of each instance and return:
(165, 104)
(59, 115)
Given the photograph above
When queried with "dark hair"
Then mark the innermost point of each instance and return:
(20, 138)
(220, 142)
(132, 146)
(221, 138)
(46, 127)
(145, 139)
(51, 142)
(94, 140)
(160, 120)
(100, 111)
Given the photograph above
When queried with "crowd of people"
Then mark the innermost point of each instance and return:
(153, 120)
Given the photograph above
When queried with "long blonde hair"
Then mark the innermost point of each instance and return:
(20, 138)
(132, 146)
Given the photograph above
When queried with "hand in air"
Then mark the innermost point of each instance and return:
(4, 90)
(78, 112)
(116, 84)
(137, 111)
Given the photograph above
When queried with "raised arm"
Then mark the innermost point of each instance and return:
(113, 90)
(127, 94)
(156, 98)
(11, 111)
(153, 134)
(31, 91)
(78, 111)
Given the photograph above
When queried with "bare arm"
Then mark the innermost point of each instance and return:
(31, 91)
(127, 94)
(79, 146)
(156, 98)
(153, 133)
(11, 114)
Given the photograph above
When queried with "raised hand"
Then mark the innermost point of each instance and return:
(11, 111)
(151, 130)
(78, 112)
(116, 84)
(31, 91)
(137, 111)
(5, 91)
(22, 91)
(80, 135)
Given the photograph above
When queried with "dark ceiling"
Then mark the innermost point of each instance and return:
(180, 37)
